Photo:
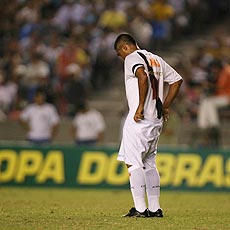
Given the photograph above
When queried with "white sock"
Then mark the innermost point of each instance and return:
(152, 179)
(137, 186)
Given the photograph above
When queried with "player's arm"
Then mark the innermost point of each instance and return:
(25, 125)
(173, 91)
(143, 89)
(54, 130)
(25, 120)
(73, 131)
(100, 137)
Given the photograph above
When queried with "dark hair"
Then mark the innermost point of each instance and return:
(40, 91)
(81, 106)
(216, 63)
(127, 38)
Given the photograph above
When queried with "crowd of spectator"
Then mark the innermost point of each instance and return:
(66, 47)
(207, 85)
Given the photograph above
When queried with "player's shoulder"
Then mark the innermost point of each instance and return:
(30, 106)
(134, 57)
(153, 55)
(48, 107)
(94, 112)
(157, 58)
(146, 53)
(136, 53)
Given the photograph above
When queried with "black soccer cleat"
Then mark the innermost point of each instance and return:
(134, 213)
(158, 213)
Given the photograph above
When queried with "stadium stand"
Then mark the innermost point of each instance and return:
(55, 31)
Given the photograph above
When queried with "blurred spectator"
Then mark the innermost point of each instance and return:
(11, 57)
(37, 71)
(74, 89)
(181, 19)
(40, 120)
(8, 91)
(71, 13)
(29, 12)
(161, 14)
(203, 51)
(19, 72)
(88, 126)
(113, 19)
(138, 20)
(198, 74)
(208, 118)
(51, 50)
(104, 56)
(29, 23)
(73, 52)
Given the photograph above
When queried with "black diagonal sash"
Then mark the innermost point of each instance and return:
(154, 83)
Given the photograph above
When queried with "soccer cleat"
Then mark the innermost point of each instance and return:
(158, 213)
(134, 213)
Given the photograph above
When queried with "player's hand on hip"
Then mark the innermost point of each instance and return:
(139, 115)
(165, 114)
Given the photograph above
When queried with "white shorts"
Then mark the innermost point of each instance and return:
(139, 141)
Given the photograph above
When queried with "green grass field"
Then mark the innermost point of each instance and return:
(49, 208)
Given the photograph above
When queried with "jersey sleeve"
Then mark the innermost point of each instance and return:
(99, 122)
(170, 75)
(132, 63)
(54, 115)
(25, 114)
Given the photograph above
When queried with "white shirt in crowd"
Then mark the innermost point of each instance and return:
(7, 95)
(88, 125)
(41, 119)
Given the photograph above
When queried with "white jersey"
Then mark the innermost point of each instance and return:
(88, 125)
(163, 73)
(139, 139)
(41, 119)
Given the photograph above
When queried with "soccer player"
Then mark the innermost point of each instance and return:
(145, 75)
